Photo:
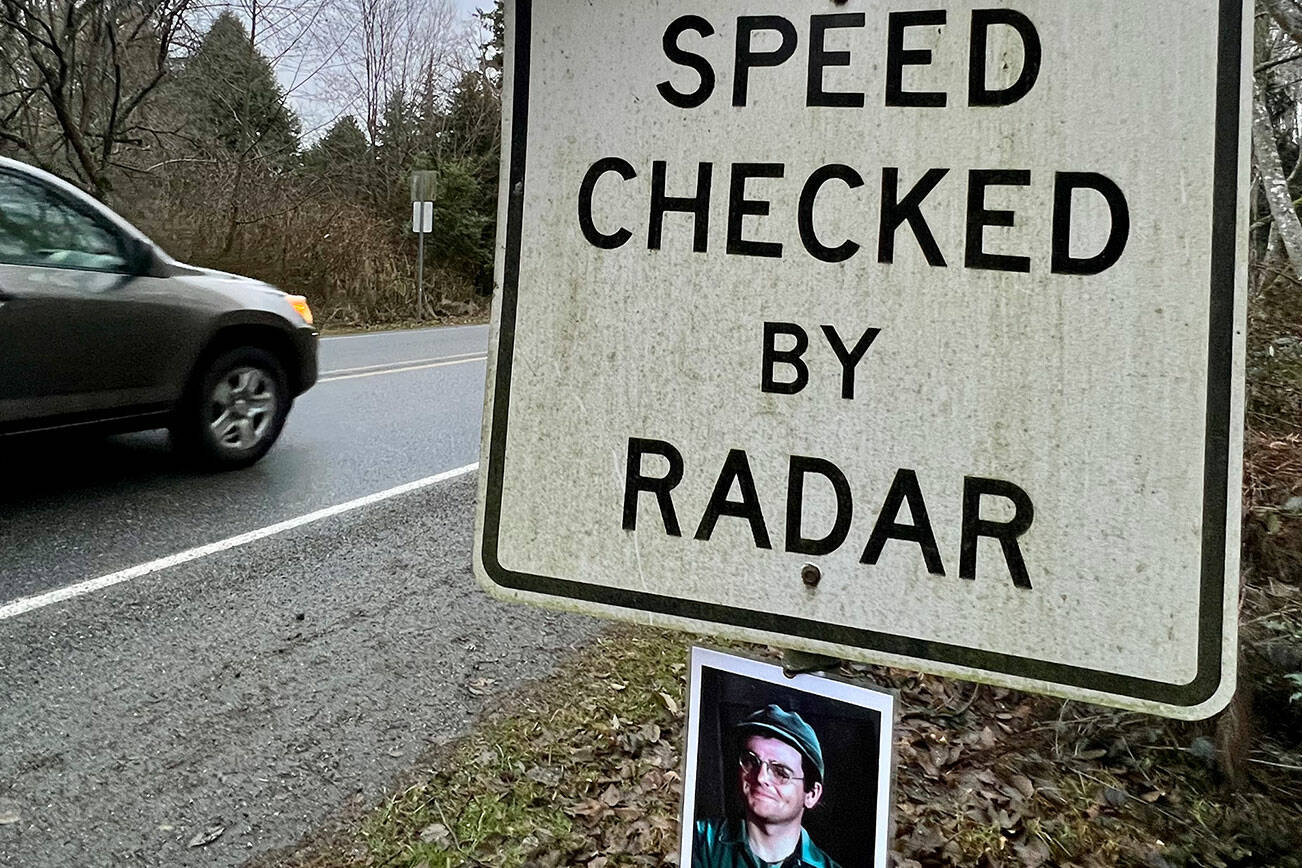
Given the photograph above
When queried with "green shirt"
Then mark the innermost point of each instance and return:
(723, 844)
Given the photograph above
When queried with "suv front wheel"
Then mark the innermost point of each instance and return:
(235, 409)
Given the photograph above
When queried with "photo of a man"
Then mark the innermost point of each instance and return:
(783, 772)
(780, 772)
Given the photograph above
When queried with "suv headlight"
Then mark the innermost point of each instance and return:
(299, 303)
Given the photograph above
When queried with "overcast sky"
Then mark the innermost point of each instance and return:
(311, 92)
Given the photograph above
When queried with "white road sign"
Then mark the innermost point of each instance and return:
(903, 334)
(422, 217)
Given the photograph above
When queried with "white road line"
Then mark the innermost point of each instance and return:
(401, 370)
(402, 332)
(29, 604)
(457, 358)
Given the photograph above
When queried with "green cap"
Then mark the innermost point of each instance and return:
(788, 726)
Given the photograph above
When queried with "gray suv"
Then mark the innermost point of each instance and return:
(100, 328)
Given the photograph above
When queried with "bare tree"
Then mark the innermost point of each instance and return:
(385, 48)
(75, 76)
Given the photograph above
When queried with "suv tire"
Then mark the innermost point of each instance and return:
(234, 410)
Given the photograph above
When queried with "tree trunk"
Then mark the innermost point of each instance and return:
(233, 212)
(1286, 15)
(1273, 260)
(1273, 182)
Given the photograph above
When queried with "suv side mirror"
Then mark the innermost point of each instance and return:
(140, 256)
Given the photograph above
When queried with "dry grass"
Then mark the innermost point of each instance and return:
(583, 771)
(356, 267)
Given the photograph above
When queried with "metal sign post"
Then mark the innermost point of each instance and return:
(424, 187)
(888, 335)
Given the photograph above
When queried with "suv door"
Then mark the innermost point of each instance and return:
(80, 335)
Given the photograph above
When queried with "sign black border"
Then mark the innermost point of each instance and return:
(1216, 457)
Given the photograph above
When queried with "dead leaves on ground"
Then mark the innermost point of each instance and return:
(985, 777)
(630, 809)
(1030, 782)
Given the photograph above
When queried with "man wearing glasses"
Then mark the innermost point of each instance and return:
(780, 769)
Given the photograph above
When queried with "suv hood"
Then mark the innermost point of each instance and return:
(221, 281)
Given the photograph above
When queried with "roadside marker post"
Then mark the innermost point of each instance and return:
(424, 187)
(889, 336)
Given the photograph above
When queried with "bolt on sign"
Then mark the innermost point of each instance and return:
(905, 334)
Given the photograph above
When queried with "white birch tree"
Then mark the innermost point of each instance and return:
(1278, 47)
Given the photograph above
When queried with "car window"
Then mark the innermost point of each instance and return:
(38, 227)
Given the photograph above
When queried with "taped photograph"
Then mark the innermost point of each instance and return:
(790, 772)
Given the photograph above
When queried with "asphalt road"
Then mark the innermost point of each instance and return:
(259, 689)
(378, 417)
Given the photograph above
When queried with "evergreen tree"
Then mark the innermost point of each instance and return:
(473, 123)
(464, 221)
(232, 99)
(341, 158)
(344, 145)
(468, 154)
(396, 140)
(397, 145)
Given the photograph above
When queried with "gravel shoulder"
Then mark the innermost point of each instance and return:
(247, 696)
